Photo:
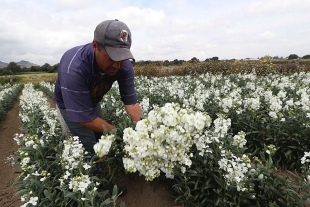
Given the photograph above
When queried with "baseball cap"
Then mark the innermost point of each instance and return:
(115, 36)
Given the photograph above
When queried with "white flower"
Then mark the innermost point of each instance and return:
(162, 141)
(86, 166)
(239, 140)
(102, 147)
(73, 152)
(79, 183)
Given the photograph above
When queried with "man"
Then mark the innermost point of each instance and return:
(87, 72)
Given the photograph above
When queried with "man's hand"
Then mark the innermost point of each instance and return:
(96, 125)
(134, 111)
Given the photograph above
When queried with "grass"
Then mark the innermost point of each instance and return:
(153, 69)
(24, 78)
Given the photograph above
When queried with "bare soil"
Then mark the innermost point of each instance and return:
(10, 126)
(140, 192)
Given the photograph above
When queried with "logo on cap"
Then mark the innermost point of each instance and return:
(123, 35)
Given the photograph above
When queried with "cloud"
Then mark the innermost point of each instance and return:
(277, 7)
(268, 35)
(41, 31)
(72, 4)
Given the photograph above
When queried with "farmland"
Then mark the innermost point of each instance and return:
(216, 133)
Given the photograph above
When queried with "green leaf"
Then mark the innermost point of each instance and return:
(218, 180)
(123, 204)
(106, 202)
(22, 192)
(46, 193)
(72, 195)
(115, 190)
(288, 152)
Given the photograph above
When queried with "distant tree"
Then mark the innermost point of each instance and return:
(34, 68)
(306, 57)
(166, 63)
(215, 58)
(194, 60)
(26, 70)
(292, 56)
(55, 67)
(176, 62)
(275, 57)
(5, 71)
(157, 62)
(12, 66)
(46, 67)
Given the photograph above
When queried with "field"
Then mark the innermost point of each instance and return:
(211, 134)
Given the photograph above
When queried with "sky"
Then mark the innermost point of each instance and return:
(40, 31)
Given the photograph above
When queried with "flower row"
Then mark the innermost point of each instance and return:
(53, 167)
(8, 96)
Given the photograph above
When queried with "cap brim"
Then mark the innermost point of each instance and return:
(119, 54)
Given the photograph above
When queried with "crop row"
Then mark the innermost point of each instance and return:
(8, 96)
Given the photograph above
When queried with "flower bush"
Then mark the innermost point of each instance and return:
(163, 140)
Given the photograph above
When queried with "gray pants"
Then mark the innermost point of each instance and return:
(87, 137)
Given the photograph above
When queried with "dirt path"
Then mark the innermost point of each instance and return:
(140, 193)
(10, 126)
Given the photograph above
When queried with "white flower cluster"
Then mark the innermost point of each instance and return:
(6, 91)
(145, 104)
(276, 93)
(24, 163)
(32, 200)
(236, 168)
(44, 175)
(48, 86)
(305, 158)
(29, 200)
(215, 135)
(73, 158)
(162, 141)
(79, 183)
(34, 103)
(73, 153)
(102, 147)
(28, 140)
(239, 140)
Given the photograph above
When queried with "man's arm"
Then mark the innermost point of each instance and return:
(96, 125)
(134, 111)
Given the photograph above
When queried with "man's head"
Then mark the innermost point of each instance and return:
(115, 37)
(112, 42)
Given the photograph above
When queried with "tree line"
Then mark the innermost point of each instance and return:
(12, 68)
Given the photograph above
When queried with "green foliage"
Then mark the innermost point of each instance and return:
(48, 68)
(8, 96)
(12, 66)
(306, 57)
(292, 56)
